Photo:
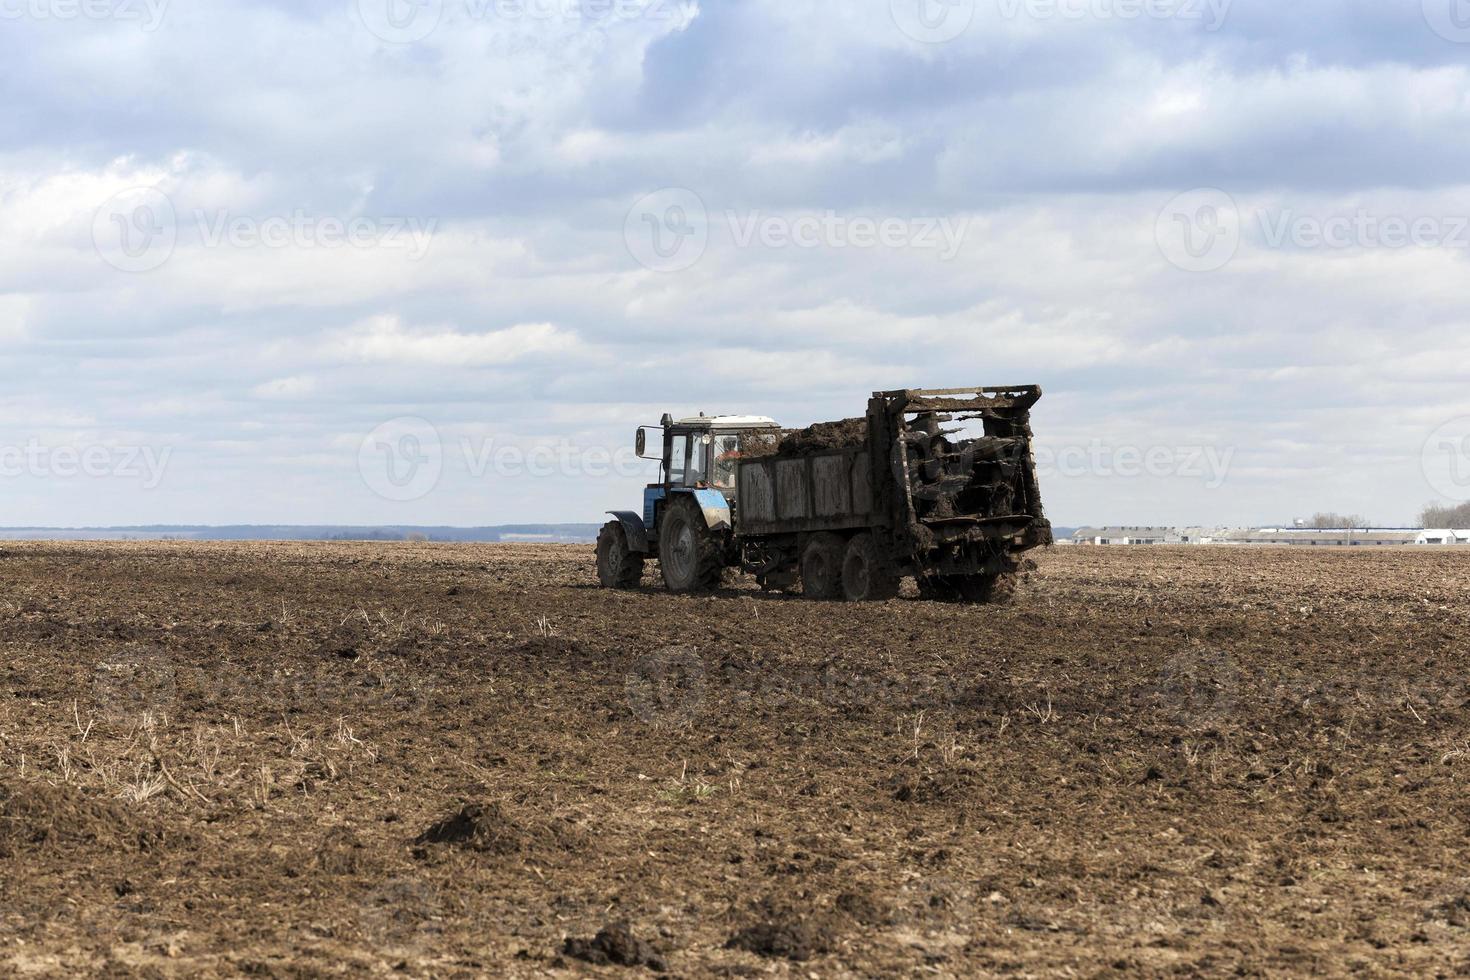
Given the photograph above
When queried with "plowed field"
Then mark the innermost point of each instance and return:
(423, 760)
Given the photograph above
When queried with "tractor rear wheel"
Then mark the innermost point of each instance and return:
(688, 554)
(618, 567)
(821, 566)
(866, 577)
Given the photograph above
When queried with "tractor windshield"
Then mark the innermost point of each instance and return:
(724, 453)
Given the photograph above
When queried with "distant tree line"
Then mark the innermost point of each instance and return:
(1439, 515)
(1331, 520)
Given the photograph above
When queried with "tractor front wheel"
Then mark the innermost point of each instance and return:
(618, 567)
(688, 554)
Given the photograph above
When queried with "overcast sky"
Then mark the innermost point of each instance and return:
(431, 262)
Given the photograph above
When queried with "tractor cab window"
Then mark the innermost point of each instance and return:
(694, 474)
(725, 452)
(678, 459)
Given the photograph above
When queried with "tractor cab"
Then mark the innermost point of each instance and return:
(698, 459)
(688, 515)
(700, 453)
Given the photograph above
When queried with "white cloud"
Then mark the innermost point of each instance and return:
(384, 339)
(523, 141)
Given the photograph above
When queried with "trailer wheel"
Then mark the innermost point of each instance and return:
(821, 566)
(688, 554)
(866, 577)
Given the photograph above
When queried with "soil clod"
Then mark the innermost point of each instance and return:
(615, 945)
(477, 826)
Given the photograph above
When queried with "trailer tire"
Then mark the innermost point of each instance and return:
(821, 566)
(618, 566)
(688, 554)
(866, 577)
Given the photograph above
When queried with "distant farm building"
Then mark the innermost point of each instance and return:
(1442, 537)
(1371, 537)
(1126, 535)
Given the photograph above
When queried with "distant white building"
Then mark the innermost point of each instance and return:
(1305, 537)
(1311, 537)
(1126, 535)
(1443, 537)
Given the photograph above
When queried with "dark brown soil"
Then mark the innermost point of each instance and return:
(420, 760)
(824, 437)
(615, 945)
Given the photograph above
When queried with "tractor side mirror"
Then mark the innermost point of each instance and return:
(640, 445)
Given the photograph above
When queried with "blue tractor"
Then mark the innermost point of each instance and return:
(688, 515)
